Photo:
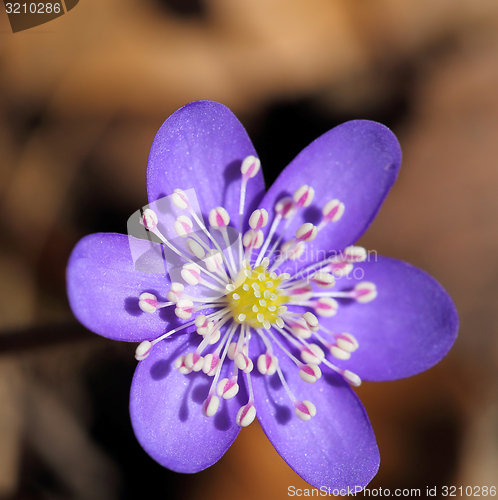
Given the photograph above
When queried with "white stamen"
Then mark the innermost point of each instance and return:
(323, 279)
(184, 308)
(218, 217)
(306, 232)
(195, 249)
(211, 405)
(227, 388)
(149, 219)
(312, 353)
(326, 307)
(250, 167)
(333, 211)
(305, 410)
(267, 364)
(310, 373)
(246, 415)
(258, 219)
(175, 292)
(304, 196)
(180, 199)
(364, 292)
(183, 226)
(143, 350)
(283, 207)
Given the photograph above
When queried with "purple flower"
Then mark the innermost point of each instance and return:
(278, 324)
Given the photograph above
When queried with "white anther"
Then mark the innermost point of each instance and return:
(267, 364)
(339, 353)
(191, 273)
(194, 361)
(304, 292)
(354, 254)
(310, 373)
(213, 261)
(365, 292)
(243, 362)
(180, 365)
(148, 302)
(218, 217)
(214, 337)
(184, 308)
(175, 292)
(202, 324)
(311, 321)
(253, 239)
(326, 306)
(293, 250)
(143, 350)
(333, 211)
(211, 405)
(346, 342)
(304, 196)
(183, 226)
(149, 219)
(211, 362)
(351, 378)
(323, 280)
(195, 248)
(305, 410)
(340, 269)
(250, 167)
(300, 328)
(306, 232)
(258, 219)
(246, 415)
(284, 207)
(227, 388)
(232, 350)
(180, 199)
(312, 353)
(280, 322)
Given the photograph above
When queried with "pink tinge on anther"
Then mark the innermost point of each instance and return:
(326, 306)
(243, 362)
(211, 362)
(339, 269)
(149, 219)
(354, 254)
(246, 415)
(194, 361)
(191, 273)
(181, 366)
(304, 196)
(311, 321)
(227, 388)
(346, 341)
(143, 350)
(250, 167)
(292, 250)
(218, 217)
(258, 219)
(183, 226)
(253, 239)
(175, 292)
(312, 353)
(310, 373)
(195, 248)
(180, 199)
(306, 232)
(364, 292)
(305, 410)
(333, 211)
(148, 302)
(300, 293)
(267, 364)
(299, 328)
(284, 207)
(323, 279)
(213, 261)
(184, 308)
(211, 405)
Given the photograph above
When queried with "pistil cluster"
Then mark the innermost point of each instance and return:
(246, 295)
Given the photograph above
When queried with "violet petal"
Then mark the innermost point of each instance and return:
(409, 327)
(202, 146)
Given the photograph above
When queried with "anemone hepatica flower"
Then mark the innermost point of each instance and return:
(277, 323)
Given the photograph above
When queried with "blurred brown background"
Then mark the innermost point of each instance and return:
(80, 101)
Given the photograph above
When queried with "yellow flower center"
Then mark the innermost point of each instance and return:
(257, 298)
